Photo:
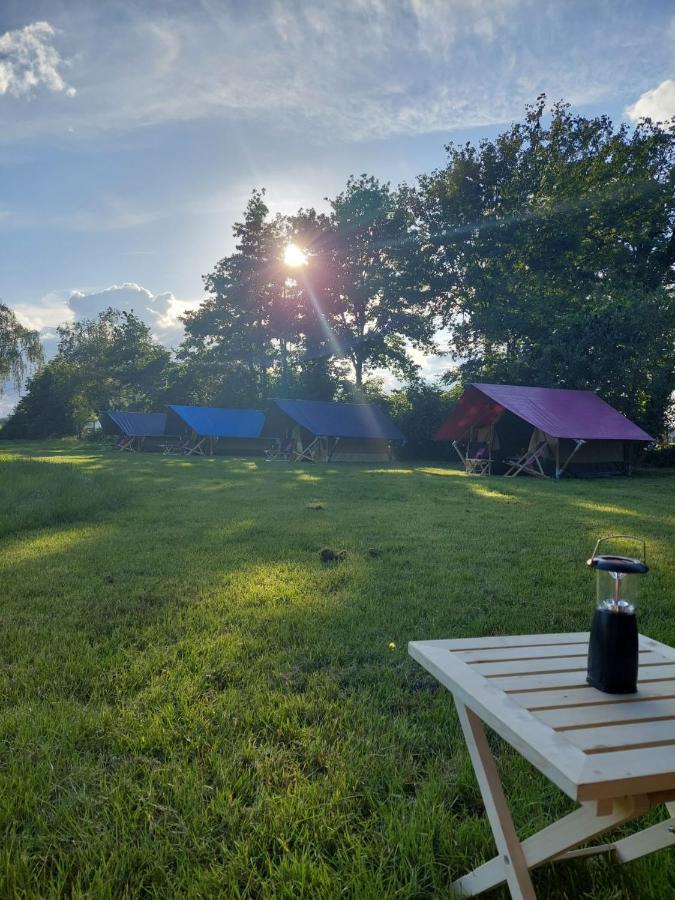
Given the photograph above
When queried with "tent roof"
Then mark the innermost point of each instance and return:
(346, 420)
(558, 412)
(211, 421)
(138, 424)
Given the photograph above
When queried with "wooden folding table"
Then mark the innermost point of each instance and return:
(614, 754)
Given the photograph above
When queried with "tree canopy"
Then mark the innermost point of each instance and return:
(109, 361)
(550, 254)
(20, 348)
(370, 296)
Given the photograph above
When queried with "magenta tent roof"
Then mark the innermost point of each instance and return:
(558, 412)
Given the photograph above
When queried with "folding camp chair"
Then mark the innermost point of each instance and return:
(280, 450)
(128, 443)
(198, 449)
(529, 462)
(477, 459)
(175, 446)
(307, 453)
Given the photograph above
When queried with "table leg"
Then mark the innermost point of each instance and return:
(552, 843)
(648, 840)
(511, 861)
(555, 842)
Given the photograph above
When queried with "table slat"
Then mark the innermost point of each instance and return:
(589, 696)
(493, 654)
(625, 772)
(623, 736)
(641, 710)
(502, 641)
(573, 679)
(557, 664)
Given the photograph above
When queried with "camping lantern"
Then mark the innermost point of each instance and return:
(613, 645)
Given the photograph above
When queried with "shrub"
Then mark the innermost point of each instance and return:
(660, 456)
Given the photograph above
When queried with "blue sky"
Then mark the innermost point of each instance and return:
(131, 133)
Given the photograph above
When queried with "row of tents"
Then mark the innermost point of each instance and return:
(312, 430)
(495, 429)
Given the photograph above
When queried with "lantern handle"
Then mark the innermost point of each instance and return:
(625, 537)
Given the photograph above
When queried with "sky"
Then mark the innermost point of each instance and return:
(133, 131)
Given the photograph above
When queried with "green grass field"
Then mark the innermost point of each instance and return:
(194, 705)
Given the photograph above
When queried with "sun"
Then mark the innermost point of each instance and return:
(293, 256)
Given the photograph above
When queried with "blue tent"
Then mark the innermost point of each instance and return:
(239, 430)
(341, 420)
(134, 427)
(316, 430)
(210, 421)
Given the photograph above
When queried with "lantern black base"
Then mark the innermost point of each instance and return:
(613, 652)
(610, 688)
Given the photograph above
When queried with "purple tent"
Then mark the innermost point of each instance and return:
(560, 425)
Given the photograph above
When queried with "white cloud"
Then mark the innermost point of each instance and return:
(657, 104)
(29, 60)
(348, 71)
(360, 71)
(159, 311)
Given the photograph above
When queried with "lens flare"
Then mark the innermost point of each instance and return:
(293, 256)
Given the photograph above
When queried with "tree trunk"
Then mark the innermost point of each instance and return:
(358, 370)
(284, 365)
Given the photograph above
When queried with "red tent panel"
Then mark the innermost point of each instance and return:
(473, 409)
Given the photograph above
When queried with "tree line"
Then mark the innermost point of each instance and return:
(544, 256)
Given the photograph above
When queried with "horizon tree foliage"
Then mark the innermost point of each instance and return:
(371, 301)
(358, 299)
(248, 322)
(20, 348)
(50, 407)
(318, 372)
(550, 254)
(109, 361)
(116, 358)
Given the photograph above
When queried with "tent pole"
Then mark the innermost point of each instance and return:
(557, 457)
(455, 444)
(578, 446)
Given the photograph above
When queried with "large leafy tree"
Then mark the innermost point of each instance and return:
(550, 254)
(247, 325)
(359, 300)
(370, 298)
(108, 361)
(115, 360)
(51, 407)
(20, 348)
(321, 363)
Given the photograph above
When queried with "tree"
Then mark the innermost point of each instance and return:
(115, 360)
(265, 328)
(49, 408)
(247, 323)
(20, 348)
(321, 367)
(371, 303)
(418, 409)
(550, 255)
(101, 363)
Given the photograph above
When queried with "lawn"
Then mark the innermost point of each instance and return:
(195, 705)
